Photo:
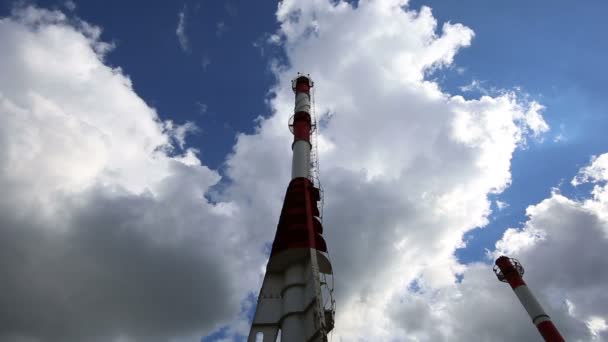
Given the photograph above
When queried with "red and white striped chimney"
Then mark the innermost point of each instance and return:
(292, 300)
(510, 270)
(301, 127)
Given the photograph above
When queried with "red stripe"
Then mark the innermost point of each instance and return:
(510, 273)
(298, 228)
(310, 218)
(302, 85)
(301, 126)
(549, 332)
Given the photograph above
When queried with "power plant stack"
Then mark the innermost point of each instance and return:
(295, 298)
(510, 271)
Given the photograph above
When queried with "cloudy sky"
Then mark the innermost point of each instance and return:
(144, 154)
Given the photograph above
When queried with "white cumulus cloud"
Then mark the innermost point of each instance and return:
(105, 233)
(128, 248)
(407, 168)
(562, 248)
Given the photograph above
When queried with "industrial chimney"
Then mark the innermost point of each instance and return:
(295, 297)
(510, 270)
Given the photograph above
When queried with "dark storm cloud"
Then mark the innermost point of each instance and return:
(104, 269)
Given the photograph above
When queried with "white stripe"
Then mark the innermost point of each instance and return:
(302, 103)
(539, 319)
(530, 303)
(300, 166)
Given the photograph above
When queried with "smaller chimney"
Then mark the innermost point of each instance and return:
(510, 271)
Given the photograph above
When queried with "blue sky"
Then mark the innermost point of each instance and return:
(542, 47)
(232, 87)
(220, 77)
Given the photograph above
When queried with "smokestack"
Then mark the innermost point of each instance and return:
(295, 289)
(510, 270)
